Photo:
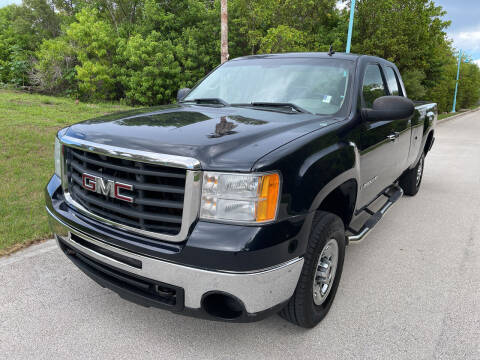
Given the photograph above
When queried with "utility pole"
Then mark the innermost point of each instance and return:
(350, 25)
(456, 83)
(224, 30)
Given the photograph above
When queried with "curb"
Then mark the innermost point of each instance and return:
(458, 115)
(26, 253)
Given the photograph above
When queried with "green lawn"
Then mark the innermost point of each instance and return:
(28, 124)
(447, 115)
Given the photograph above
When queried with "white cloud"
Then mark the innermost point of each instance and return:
(468, 40)
(477, 62)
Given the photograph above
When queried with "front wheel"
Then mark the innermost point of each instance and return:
(320, 274)
(411, 180)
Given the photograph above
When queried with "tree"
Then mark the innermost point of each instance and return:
(142, 51)
(54, 71)
(254, 22)
(16, 47)
(224, 30)
(284, 37)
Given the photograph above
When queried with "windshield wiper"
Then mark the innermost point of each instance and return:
(292, 106)
(207, 101)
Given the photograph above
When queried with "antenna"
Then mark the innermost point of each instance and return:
(331, 51)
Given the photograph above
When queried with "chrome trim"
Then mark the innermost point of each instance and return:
(258, 290)
(357, 238)
(133, 155)
(325, 272)
(193, 185)
(191, 207)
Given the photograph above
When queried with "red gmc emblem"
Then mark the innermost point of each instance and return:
(106, 187)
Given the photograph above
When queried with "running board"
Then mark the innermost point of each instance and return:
(393, 193)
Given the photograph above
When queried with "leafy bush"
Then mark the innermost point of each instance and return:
(413, 80)
(14, 51)
(150, 72)
(141, 52)
(54, 72)
(283, 37)
(94, 43)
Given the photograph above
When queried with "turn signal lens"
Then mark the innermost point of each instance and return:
(267, 204)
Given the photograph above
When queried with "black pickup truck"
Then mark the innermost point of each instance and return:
(239, 200)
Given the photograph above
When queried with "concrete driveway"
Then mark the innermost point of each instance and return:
(410, 290)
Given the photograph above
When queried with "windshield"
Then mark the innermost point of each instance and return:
(317, 85)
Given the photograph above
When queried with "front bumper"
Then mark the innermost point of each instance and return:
(257, 291)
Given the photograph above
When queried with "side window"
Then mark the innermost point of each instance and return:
(392, 82)
(373, 86)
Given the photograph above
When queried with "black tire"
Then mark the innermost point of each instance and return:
(301, 308)
(411, 179)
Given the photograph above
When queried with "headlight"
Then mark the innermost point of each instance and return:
(58, 158)
(247, 198)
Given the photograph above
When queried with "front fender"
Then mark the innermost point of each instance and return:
(311, 168)
(323, 172)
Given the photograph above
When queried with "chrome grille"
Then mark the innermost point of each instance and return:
(158, 191)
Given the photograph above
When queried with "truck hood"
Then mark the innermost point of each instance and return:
(221, 138)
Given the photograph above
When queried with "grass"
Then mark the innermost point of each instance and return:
(28, 124)
(447, 115)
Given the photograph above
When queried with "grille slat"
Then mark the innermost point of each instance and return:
(107, 215)
(160, 203)
(124, 210)
(136, 184)
(132, 170)
(158, 191)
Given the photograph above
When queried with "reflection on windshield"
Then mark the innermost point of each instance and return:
(316, 85)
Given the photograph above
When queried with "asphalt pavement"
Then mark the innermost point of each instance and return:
(410, 290)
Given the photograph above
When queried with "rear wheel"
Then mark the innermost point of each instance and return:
(320, 274)
(411, 180)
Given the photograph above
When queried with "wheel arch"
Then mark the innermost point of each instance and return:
(429, 142)
(339, 196)
(341, 201)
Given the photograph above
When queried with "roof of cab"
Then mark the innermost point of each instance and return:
(320, 55)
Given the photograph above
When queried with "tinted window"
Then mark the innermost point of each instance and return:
(373, 86)
(392, 81)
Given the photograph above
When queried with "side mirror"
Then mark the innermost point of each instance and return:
(389, 108)
(182, 93)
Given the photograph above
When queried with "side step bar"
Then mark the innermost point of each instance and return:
(393, 193)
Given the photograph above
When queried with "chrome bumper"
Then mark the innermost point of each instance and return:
(258, 290)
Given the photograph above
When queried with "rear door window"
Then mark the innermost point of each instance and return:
(373, 85)
(392, 82)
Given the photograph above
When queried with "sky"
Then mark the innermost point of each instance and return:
(464, 30)
(465, 27)
(8, 2)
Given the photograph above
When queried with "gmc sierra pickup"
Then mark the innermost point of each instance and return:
(239, 200)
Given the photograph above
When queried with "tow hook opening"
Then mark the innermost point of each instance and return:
(221, 305)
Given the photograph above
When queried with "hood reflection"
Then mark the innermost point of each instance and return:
(223, 128)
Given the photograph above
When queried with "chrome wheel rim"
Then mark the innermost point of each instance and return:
(325, 272)
(419, 171)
